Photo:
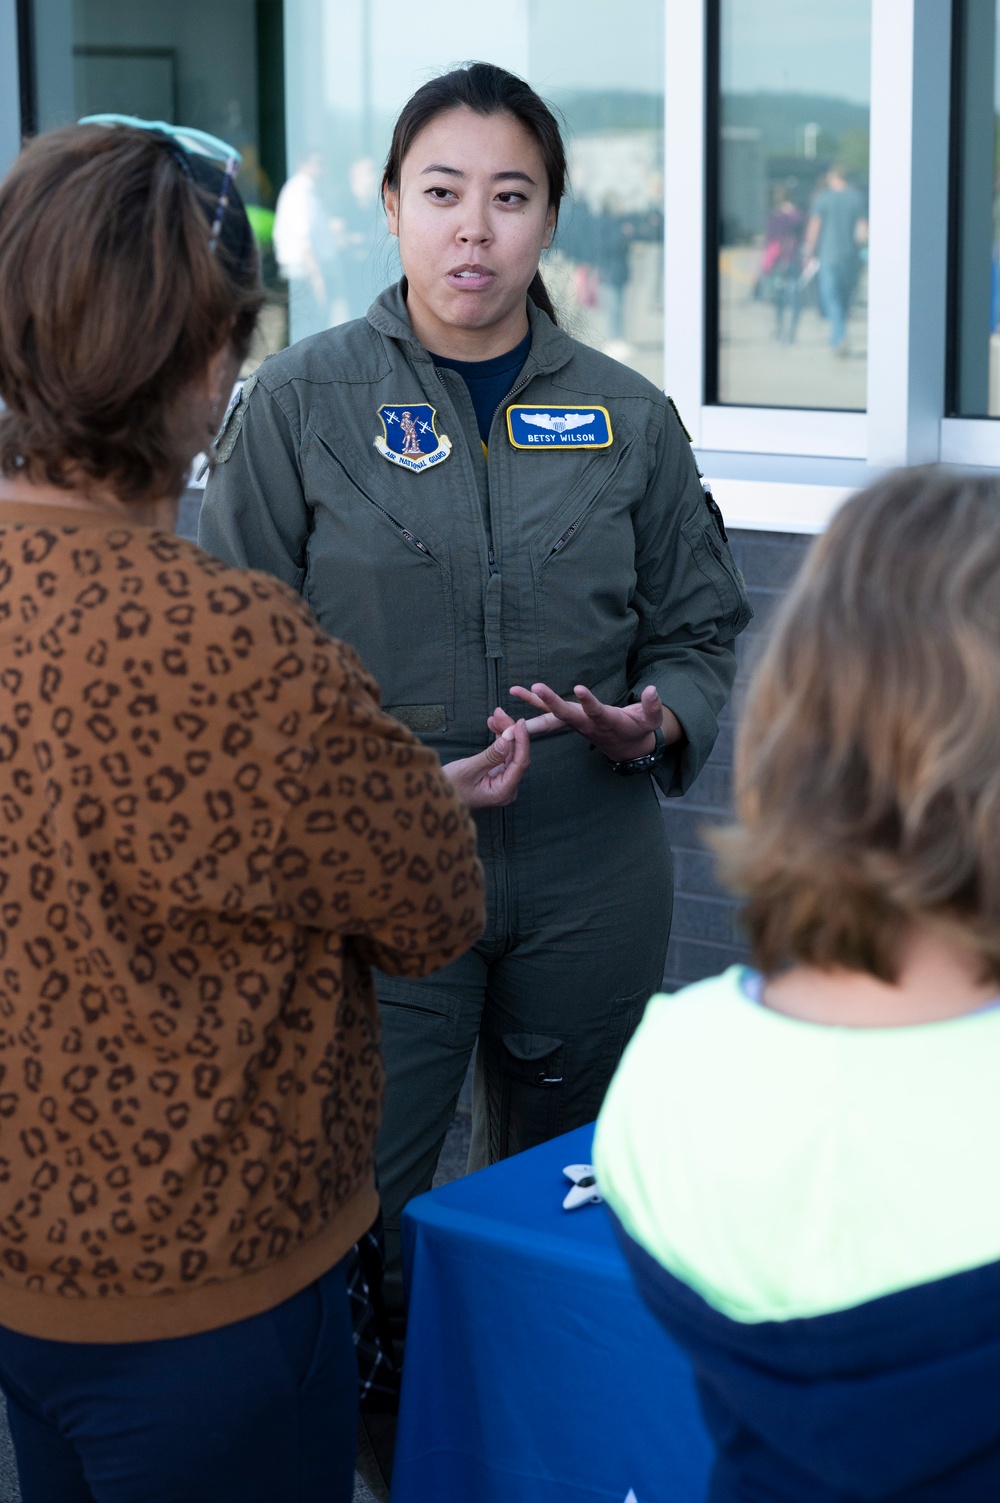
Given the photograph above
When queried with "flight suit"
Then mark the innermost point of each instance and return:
(607, 567)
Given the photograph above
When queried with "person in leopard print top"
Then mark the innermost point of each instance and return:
(208, 831)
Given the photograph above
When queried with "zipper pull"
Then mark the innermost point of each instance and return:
(564, 539)
(492, 563)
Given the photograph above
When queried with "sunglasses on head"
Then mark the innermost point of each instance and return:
(184, 140)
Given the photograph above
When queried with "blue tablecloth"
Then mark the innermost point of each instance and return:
(533, 1372)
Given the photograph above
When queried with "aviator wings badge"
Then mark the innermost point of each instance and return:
(410, 437)
(537, 428)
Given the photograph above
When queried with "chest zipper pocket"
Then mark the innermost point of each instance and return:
(580, 518)
(404, 532)
(560, 545)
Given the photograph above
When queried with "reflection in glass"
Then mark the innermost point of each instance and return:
(352, 74)
(792, 203)
(212, 64)
(976, 327)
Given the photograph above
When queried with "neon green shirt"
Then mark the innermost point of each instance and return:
(783, 1168)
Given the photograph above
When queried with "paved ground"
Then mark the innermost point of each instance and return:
(756, 369)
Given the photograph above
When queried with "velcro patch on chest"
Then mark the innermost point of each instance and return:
(409, 436)
(559, 427)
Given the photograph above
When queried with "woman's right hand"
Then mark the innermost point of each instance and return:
(490, 779)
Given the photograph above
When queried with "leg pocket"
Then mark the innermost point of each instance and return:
(428, 1034)
(312, 1325)
(426, 1046)
(525, 1074)
(626, 1015)
(410, 1006)
(623, 1019)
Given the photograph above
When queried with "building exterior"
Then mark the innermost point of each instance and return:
(784, 211)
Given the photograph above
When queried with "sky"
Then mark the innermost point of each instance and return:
(805, 46)
(591, 44)
(802, 46)
(559, 44)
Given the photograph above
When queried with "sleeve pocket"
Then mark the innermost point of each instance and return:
(715, 562)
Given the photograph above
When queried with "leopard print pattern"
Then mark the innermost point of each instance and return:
(208, 829)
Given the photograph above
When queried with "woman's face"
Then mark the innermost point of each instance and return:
(472, 215)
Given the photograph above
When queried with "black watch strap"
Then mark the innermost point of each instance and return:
(632, 765)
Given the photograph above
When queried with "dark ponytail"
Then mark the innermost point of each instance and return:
(487, 90)
(539, 295)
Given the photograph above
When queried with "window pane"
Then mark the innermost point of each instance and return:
(352, 74)
(606, 267)
(212, 64)
(976, 326)
(792, 210)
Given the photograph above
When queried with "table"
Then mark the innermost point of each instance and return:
(533, 1372)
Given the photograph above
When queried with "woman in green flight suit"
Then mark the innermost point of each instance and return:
(485, 507)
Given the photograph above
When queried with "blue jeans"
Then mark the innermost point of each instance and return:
(785, 286)
(836, 285)
(254, 1412)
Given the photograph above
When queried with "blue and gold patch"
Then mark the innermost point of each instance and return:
(559, 427)
(410, 437)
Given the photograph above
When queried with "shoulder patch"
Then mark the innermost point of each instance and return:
(233, 420)
(673, 408)
(409, 435)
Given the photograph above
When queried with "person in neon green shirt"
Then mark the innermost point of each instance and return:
(801, 1157)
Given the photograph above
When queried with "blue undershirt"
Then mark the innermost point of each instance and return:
(489, 381)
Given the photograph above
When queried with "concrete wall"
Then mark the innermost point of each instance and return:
(705, 937)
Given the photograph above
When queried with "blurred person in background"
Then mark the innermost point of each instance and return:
(613, 234)
(210, 832)
(836, 231)
(305, 248)
(781, 262)
(356, 226)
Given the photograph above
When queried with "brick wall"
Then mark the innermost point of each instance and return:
(705, 937)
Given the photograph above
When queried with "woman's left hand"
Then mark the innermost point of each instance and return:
(490, 779)
(621, 732)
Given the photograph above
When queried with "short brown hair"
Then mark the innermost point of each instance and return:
(868, 758)
(111, 301)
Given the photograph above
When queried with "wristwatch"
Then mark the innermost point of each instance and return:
(633, 765)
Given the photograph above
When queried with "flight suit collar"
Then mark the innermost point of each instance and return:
(551, 348)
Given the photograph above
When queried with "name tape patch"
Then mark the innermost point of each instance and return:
(410, 437)
(559, 427)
